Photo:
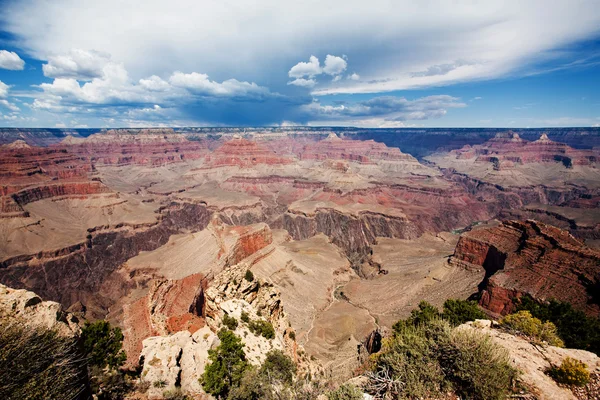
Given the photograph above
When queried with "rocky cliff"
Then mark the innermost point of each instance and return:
(362, 151)
(150, 147)
(28, 308)
(506, 149)
(244, 153)
(530, 258)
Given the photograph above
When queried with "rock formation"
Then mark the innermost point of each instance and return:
(362, 151)
(507, 149)
(150, 147)
(244, 154)
(32, 173)
(530, 258)
(29, 309)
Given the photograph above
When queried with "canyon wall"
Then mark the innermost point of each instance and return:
(530, 258)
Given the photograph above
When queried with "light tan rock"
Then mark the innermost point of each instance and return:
(29, 308)
(177, 359)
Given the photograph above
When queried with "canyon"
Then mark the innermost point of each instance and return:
(155, 229)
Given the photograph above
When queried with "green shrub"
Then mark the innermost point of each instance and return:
(429, 359)
(279, 367)
(249, 276)
(345, 392)
(230, 322)
(109, 384)
(103, 344)
(523, 322)
(273, 380)
(425, 313)
(476, 366)
(174, 394)
(39, 364)
(292, 335)
(574, 327)
(161, 383)
(245, 317)
(263, 328)
(570, 372)
(407, 365)
(458, 312)
(227, 365)
(253, 386)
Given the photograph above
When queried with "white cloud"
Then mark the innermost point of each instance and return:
(9, 105)
(492, 39)
(77, 64)
(303, 82)
(11, 60)
(354, 77)
(302, 69)
(334, 65)
(385, 110)
(3, 89)
(155, 84)
(305, 72)
(201, 85)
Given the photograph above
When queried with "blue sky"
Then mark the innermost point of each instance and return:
(381, 63)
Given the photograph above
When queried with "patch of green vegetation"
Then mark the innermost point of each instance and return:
(426, 358)
(571, 372)
(39, 364)
(574, 327)
(245, 317)
(103, 344)
(345, 392)
(249, 276)
(230, 322)
(227, 365)
(523, 322)
(263, 328)
(458, 312)
(455, 311)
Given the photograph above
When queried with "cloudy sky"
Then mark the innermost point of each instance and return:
(452, 63)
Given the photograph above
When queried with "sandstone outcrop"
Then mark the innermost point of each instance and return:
(31, 310)
(176, 360)
(231, 293)
(170, 306)
(530, 258)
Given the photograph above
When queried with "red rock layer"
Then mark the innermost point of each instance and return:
(150, 149)
(244, 153)
(506, 149)
(170, 306)
(534, 259)
(251, 239)
(363, 151)
(34, 173)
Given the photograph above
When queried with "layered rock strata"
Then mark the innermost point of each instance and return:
(530, 258)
